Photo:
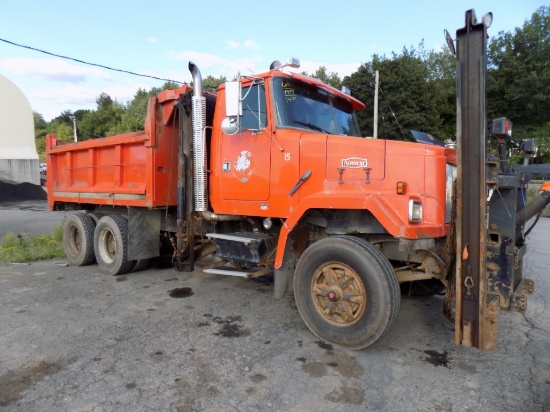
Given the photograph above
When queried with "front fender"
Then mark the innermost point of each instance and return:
(376, 204)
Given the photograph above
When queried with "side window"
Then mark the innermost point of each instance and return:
(254, 108)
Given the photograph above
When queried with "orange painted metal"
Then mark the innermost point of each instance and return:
(277, 158)
(133, 169)
(254, 173)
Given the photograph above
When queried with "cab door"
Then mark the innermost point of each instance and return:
(246, 155)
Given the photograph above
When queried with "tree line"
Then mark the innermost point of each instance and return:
(417, 91)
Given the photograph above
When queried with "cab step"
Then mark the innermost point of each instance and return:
(230, 272)
(245, 248)
(241, 238)
(247, 273)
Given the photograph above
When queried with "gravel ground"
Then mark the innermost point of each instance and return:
(74, 339)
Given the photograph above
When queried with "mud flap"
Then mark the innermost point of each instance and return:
(143, 233)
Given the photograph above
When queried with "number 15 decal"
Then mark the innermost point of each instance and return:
(287, 157)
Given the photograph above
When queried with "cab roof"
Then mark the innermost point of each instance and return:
(357, 104)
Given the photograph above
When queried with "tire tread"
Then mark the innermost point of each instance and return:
(375, 266)
(85, 226)
(119, 226)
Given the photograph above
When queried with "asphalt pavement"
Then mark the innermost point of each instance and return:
(28, 216)
(74, 339)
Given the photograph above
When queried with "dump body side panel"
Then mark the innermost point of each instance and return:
(136, 169)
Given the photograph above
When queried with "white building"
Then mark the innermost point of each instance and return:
(18, 156)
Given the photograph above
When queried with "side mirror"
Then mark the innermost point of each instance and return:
(233, 99)
(233, 107)
(230, 125)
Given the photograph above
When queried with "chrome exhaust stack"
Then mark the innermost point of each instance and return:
(199, 140)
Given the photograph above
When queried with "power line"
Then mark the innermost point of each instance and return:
(88, 63)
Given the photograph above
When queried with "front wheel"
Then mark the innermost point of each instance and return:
(111, 245)
(346, 291)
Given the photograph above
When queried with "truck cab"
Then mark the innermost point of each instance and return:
(292, 150)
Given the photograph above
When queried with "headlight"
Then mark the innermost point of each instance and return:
(415, 211)
(451, 176)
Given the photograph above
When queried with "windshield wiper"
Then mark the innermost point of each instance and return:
(312, 126)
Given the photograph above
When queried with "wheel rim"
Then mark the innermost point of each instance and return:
(107, 246)
(338, 294)
(75, 240)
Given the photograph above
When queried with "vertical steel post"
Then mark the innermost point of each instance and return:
(475, 314)
(375, 126)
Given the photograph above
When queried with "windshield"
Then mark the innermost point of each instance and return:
(305, 106)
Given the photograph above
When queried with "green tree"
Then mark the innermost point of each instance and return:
(442, 75)
(64, 117)
(211, 83)
(105, 120)
(79, 114)
(407, 97)
(63, 131)
(133, 118)
(62, 125)
(330, 78)
(135, 111)
(40, 132)
(40, 125)
(519, 79)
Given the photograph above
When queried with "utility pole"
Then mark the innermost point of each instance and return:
(74, 126)
(375, 127)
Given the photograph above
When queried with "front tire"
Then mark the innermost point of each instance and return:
(111, 245)
(346, 291)
(78, 239)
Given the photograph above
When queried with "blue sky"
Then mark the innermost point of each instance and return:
(221, 37)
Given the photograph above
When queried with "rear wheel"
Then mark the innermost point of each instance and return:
(346, 291)
(78, 239)
(111, 245)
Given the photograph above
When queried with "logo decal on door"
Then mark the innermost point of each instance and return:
(354, 162)
(244, 165)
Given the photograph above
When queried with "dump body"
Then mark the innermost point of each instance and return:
(134, 169)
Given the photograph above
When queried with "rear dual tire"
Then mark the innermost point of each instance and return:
(88, 238)
(78, 239)
(111, 245)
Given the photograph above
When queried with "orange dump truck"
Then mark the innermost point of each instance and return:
(271, 175)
